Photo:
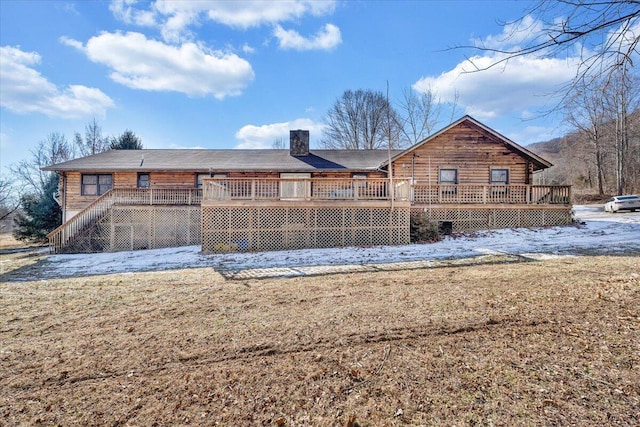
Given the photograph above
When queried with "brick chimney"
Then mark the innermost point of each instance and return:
(299, 142)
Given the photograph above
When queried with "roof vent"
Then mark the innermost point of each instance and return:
(299, 142)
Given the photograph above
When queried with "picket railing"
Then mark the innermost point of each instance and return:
(308, 189)
(492, 194)
(217, 190)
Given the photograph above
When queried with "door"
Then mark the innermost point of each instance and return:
(291, 189)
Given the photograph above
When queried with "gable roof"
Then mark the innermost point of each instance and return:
(188, 160)
(537, 161)
(206, 160)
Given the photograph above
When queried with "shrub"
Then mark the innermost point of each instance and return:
(422, 229)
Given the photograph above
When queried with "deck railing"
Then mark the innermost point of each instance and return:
(491, 194)
(309, 189)
(61, 236)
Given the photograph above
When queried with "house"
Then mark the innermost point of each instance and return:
(466, 176)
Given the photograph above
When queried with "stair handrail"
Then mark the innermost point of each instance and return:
(68, 229)
(59, 237)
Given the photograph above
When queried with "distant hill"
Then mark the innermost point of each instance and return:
(574, 159)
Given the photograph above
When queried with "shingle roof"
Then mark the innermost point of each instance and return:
(226, 160)
(264, 160)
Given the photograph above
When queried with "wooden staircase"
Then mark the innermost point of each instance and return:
(66, 234)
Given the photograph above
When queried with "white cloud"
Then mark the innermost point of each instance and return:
(71, 42)
(326, 39)
(175, 17)
(125, 12)
(526, 135)
(513, 35)
(622, 39)
(247, 49)
(251, 136)
(146, 64)
(184, 147)
(257, 12)
(25, 90)
(514, 87)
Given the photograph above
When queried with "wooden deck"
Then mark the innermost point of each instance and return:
(86, 218)
(217, 190)
(477, 206)
(250, 190)
(425, 194)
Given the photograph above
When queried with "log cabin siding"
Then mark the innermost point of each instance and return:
(172, 179)
(469, 150)
(73, 201)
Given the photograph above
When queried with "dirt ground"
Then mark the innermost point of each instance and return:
(553, 342)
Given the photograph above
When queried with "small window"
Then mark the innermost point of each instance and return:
(200, 177)
(449, 176)
(500, 176)
(143, 180)
(95, 184)
(360, 176)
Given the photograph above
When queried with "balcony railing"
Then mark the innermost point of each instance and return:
(492, 194)
(220, 190)
(315, 189)
(309, 189)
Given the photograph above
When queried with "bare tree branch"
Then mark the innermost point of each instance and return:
(9, 197)
(54, 149)
(359, 120)
(568, 23)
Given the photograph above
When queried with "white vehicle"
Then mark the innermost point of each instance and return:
(618, 203)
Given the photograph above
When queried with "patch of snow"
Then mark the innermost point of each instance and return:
(600, 232)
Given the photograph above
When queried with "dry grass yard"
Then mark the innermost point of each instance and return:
(554, 342)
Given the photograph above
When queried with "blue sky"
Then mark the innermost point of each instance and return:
(224, 74)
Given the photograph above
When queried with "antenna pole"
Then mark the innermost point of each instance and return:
(390, 173)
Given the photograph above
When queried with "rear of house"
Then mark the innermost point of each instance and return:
(466, 175)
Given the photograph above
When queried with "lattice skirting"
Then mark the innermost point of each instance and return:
(229, 229)
(482, 219)
(126, 228)
(259, 228)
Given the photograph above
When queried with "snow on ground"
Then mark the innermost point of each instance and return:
(598, 233)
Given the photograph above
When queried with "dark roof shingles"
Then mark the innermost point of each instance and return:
(223, 160)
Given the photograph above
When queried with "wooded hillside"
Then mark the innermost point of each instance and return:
(575, 158)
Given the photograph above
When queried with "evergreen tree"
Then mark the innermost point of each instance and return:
(127, 141)
(40, 213)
